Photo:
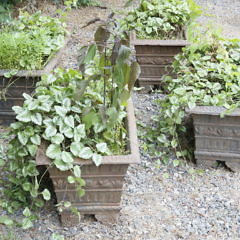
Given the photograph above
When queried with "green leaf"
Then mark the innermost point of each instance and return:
(191, 104)
(57, 139)
(98, 127)
(166, 175)
(134, 75)
(61, 165)
(71, 179)
(113, 115)
(27, 223)
(124, 96)
(123, 54)
(80, 192)
(97, 159)
(23, 139)
(85, 153)
(50, 131)
(48, 78)
(101, 36)
(68, 132)
(26, 186)
(67, 157)
(67, 204)
(81, 182)
(35, 139)
(102, 147)
(79, 132)
(61, 111)
(39, 203)
(77, 171)
(26, 212)
(46, 194)
(176, 163)
(66, 102)
(32, 149)
(6, 220)
(75, 148)
(56, 236)
(90, 119)
(37, 119)
(24, 116)
(162, 138)
(45, 106)
(33, 105)
(27, 96)
(69, 121)
(53, 151)
(17, 109)
(16, 125)
(90, 54)
(148, 30)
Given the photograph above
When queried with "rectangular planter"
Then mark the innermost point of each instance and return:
(104, 184)
(155, 58)
(23, 82)
(216, 138)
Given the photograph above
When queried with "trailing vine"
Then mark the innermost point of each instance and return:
(208, 74)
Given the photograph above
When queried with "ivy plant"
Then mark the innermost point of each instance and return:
(71, 115)
(30, 41)
(161, 19)
(209, 75)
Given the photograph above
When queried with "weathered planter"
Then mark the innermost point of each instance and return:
(23, 82)
(155, 58)
(103, 184)
(216, 138)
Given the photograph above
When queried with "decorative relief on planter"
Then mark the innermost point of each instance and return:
(22, 82)
(216, 138)
(104, 184)
(155, 58)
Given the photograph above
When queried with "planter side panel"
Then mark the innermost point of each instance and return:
(155, 61)
(217, 138)
(103, 191)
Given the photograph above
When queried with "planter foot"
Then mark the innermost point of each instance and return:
(110, 217)
(206, 163)
(234, 166)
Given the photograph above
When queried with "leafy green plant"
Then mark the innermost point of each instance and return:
(29, 42)
(209, 75)
(6, 9)
(71, 115)
(161, 19)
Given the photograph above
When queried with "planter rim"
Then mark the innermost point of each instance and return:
(155, 42)
(211, 110)
(48, 67)
(132, 157)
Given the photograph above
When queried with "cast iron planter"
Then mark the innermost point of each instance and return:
(103, 184)
(155, 58)
(23, 82)
(216, 138)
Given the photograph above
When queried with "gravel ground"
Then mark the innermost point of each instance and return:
(158, 202)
